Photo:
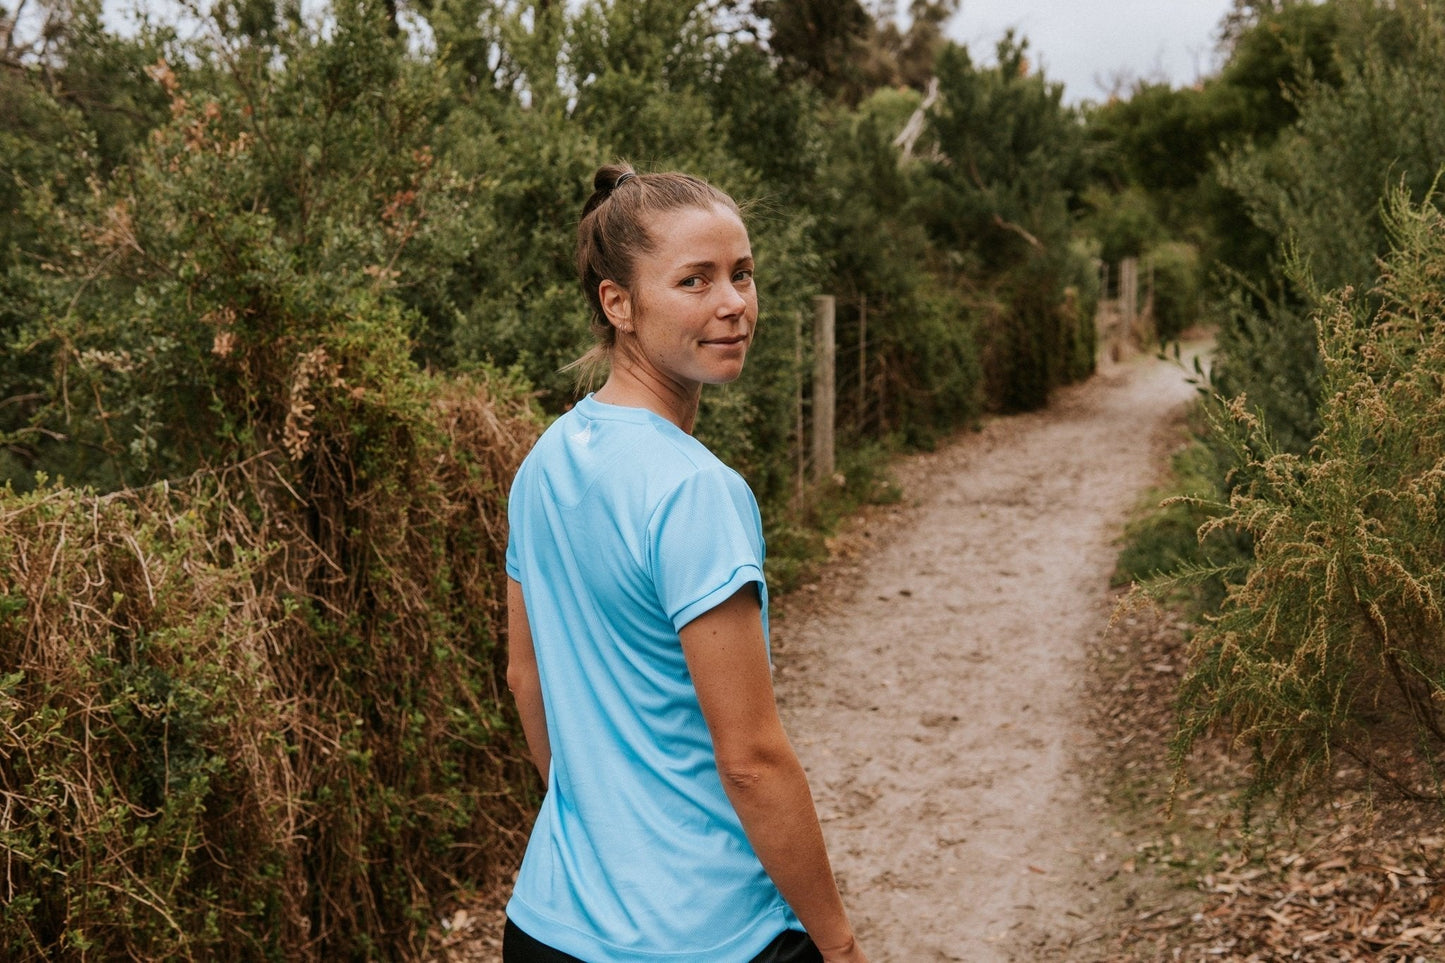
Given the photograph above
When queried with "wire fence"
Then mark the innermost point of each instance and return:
(847, 383)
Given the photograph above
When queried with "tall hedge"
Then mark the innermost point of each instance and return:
(259, 714)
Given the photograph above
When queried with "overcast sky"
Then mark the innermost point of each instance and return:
(1088, 44)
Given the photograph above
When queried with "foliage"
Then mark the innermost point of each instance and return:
(820, 42)
(130, 653)
(1284, 50)
(298, 647)
(1166, 140)
(1268, 353)
(1169, 143)
(97, 73)
(1010, 164)
(1315, 192)
(1331, 643)
(908, 344)
(191, 295)
(250, 723)
(74, 110)
(913, 54)
(1124, 223)
(507, 297)
(1319, 186)
(1176, 278)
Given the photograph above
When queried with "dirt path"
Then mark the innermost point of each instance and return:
(933, 679)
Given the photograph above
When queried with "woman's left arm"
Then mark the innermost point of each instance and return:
(525, 681)
(728, 659)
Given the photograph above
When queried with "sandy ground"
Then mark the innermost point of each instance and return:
(933, 680)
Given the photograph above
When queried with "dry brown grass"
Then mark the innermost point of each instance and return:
(257, 713)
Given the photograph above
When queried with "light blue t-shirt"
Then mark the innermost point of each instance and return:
(624, 528)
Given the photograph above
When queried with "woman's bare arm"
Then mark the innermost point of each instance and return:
(525, 682)
(728, 659)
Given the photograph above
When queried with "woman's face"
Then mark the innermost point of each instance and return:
(691, 310)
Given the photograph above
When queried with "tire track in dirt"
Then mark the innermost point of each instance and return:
(933, 678)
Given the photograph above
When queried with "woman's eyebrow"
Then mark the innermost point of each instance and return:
(705, 265)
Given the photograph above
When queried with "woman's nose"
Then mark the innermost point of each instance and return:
(733, 300)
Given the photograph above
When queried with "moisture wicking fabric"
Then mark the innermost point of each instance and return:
(624, 528)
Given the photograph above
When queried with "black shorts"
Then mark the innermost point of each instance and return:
(791, 946)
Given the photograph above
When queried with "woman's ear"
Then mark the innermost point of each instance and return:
(616, 304)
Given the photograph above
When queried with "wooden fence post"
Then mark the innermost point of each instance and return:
(1129, 293)
(825, 395)
(862, 361)
(798, 405)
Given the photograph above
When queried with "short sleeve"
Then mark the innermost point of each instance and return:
(513, 556)
(705, 542)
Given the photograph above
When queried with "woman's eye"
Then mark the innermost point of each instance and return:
(691, 282)
(743, 276)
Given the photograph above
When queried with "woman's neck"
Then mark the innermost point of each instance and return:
(630, 387)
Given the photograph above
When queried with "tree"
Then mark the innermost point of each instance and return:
(77, 102)
(820, 42)
(1315, 193)
(1008, 177)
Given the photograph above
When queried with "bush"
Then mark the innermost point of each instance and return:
(261, 710)
(1123, 223)
(1332, 643)
(1176, 274)
(1267, 352)
(1008, 162)
(250, 719)
(1373, 123)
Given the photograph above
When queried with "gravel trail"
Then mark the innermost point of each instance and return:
(933, 678)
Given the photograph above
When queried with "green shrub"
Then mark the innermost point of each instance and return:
(1267, 352)
(1005, 168)
(1374, 122)
(1124, 223)
(1176, 274)
(1331, 644)
(262, 709)
(1040, 333)
(260, 714)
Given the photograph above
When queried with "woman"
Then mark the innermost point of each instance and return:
(678, 823)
